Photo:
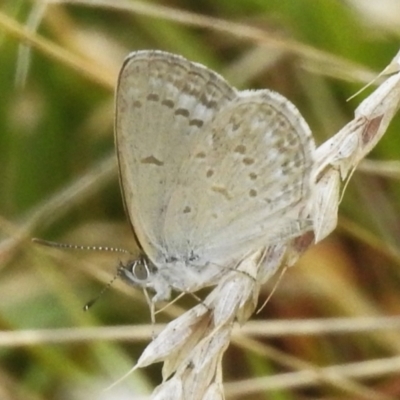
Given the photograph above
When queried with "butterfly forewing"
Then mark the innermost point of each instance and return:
(162, 104)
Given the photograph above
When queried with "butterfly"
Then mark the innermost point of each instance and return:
(209, 174)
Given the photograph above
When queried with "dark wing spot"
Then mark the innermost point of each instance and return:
(168, 103)
(183, 112)
(187, 210)
(283, 124)
(248, 161)
(152, 160)
(252, 193)
(222, 190)
(201, 154)
(241, 149)
(196, 122)
(153, 97)
(209, 103)
(210, 173)
(137, 104)
(253, 176)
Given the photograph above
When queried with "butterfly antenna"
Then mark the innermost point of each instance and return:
(48, 243)
(90, 303)
(273, 290)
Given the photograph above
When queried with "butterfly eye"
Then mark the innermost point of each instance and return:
(140, 270)
(137, 272)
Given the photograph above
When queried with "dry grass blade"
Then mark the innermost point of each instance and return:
(104, 78)
(317, 60)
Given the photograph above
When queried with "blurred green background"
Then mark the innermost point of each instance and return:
(58, 181)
